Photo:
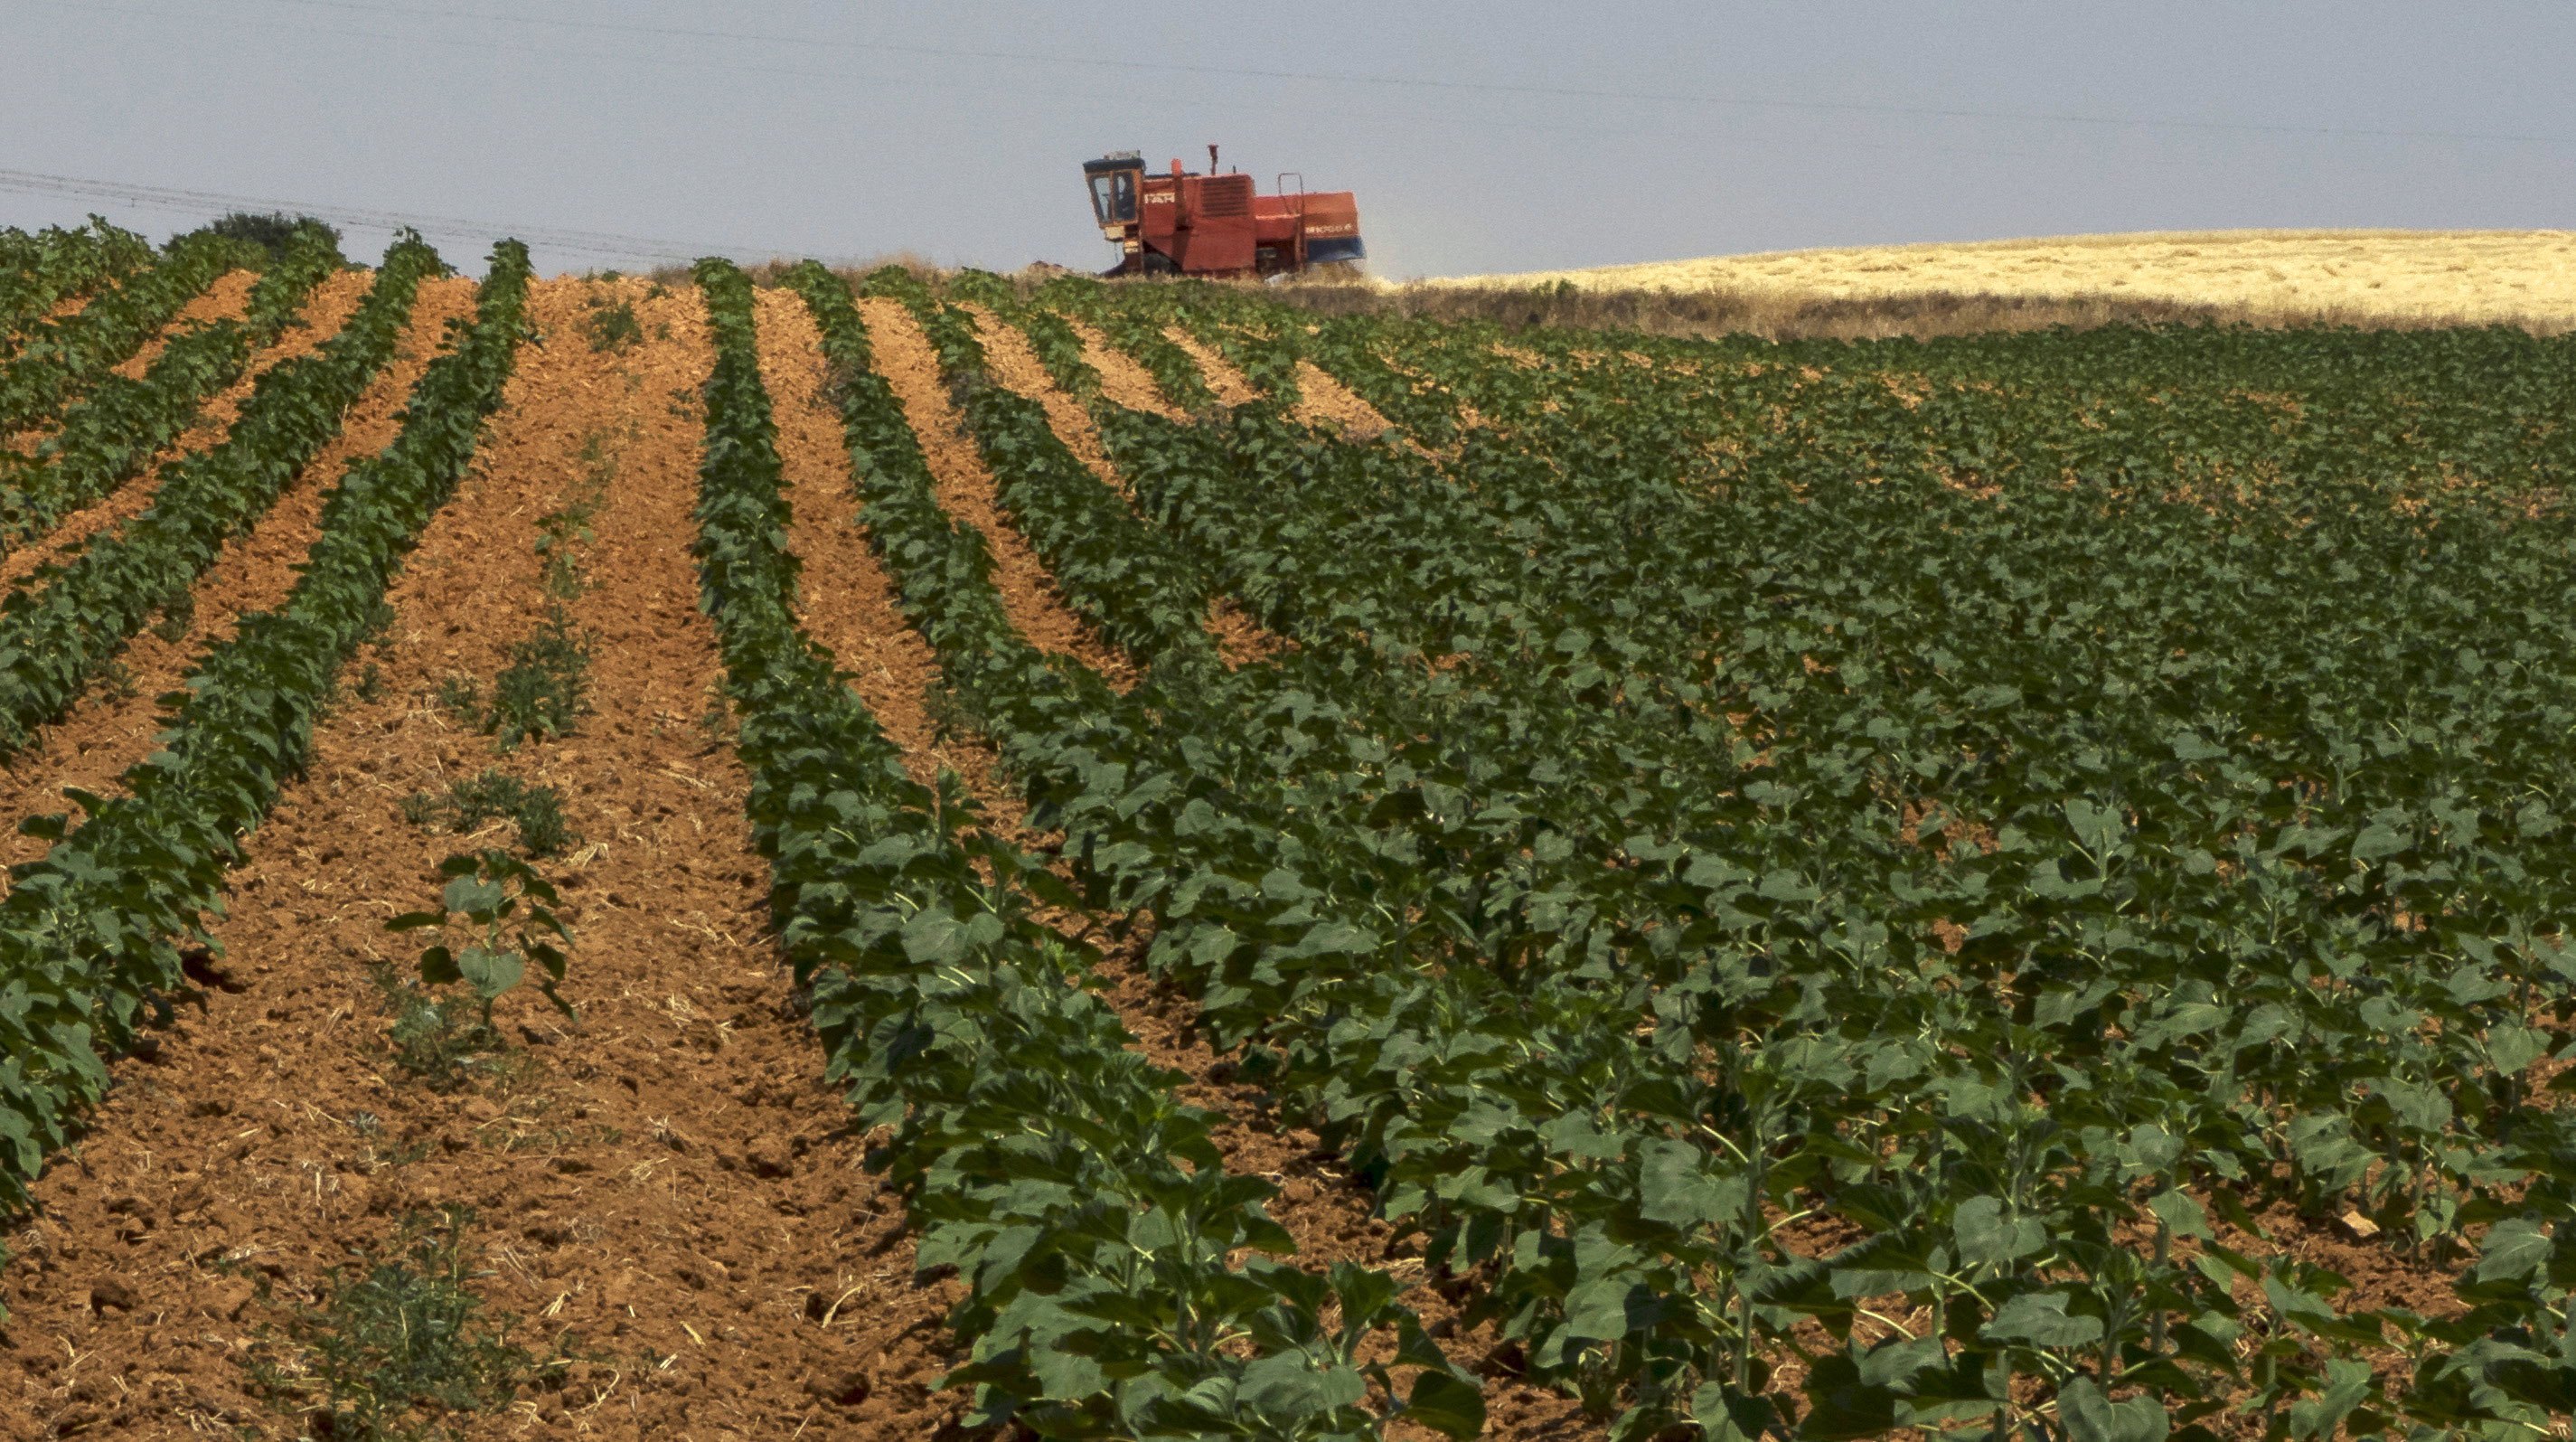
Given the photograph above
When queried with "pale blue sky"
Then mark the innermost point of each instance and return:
(1503, 135)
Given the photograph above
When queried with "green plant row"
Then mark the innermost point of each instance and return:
(2450, 1085)
(68, 620)
(67, 356)
(1137, 595)
(90, 936)
(1038, 1152)
(40, 271)
(107, 437)
(1284, 851)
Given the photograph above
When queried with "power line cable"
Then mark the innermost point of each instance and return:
(1428, 82)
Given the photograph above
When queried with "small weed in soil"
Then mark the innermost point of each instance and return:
(370, 685)
(612, 326)
(537, 811)
(950, 717)
(563, 531)
(541, 691)
(439, 1039)
(176, 618)
(397, 1348)
(116, 682)
(458, 696)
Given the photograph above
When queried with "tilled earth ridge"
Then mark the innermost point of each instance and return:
(1231, 388)
(1240, 639)
(1122, 380)
(1321, 401)
(227, 299)
(1317, 1202)
(114, 726)
(325, 311)
(665, 1188)
(1325, 401)
(846, 600)
(903, 355)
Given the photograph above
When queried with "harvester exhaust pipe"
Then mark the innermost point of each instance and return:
(1211, 160)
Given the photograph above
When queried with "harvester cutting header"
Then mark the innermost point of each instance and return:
(1185, 223)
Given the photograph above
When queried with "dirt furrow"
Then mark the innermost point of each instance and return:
(664, 1192)
(1229, 384)
(1016, 366)
(966, 489)
(325, 311)
(227, 299)
(846, 600)
(114, 726)
(1240, 640)
(1122, 380)
(1324, 401)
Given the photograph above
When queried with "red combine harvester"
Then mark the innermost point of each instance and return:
(1184, 223)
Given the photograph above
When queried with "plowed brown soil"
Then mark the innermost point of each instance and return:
(847, 601)
(1229, 384)
(325, 311)
(227, 299)
(1240, 640)
(666, 1187)
(1324, 401)
(1018, 368)
(902, 354)
(1321, 401)
(113, 728)
(1122, 380)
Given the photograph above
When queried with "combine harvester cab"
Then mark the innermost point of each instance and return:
(1180, 222)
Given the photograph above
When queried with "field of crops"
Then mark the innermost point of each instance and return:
(2410, 277)
(902, 855)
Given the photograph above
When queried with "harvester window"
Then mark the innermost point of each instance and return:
(1113, 197)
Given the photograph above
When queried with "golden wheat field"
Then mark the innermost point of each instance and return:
(2465, 275)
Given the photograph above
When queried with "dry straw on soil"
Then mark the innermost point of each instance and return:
(2373, 278)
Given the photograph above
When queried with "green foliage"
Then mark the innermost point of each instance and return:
(612, 325)
(541, 692)
(108, 437)
(494, 795)
(276, 234)
(90, 935)
(398, 1346)
(1088, 1208)
(507, 909)
(63, 358)
(75, 616)
(1640, 748)
(41, 271)
(437, 1038)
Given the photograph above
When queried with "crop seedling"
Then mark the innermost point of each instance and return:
(397, 1346)
(507, 908)
(495, 795)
